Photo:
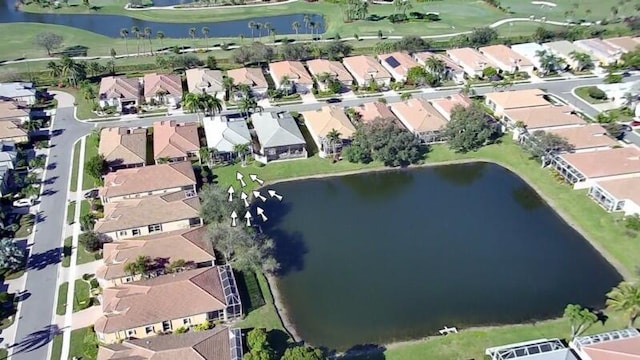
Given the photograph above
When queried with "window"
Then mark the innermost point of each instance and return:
(186, 321)
(155, 228)
(135, 232)
(195, 221)
(166, 325)
(122, 233)
(271, 151)
(127, 279)
(131, 332)
(148, 330)
(150, 193)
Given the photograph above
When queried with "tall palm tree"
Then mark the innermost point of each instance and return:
(228, 85)
(124, 33)
(160, 35)
(584, 60)
(296, 26)
(193, 102)
(334, 139)
(147, 34)
(251, 25)
(136, 32)
(54, 69)
(210, 104)
(306, 19)
(625, 298)
(205, 33)
(437, 67)
(241, 150)
(258, 27)
(192, 34)
(267, 27)
(248, 104)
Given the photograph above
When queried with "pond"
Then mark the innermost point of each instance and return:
(398, 255)
(110, 25)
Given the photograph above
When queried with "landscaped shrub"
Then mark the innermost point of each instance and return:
(632, 222)
(596, 93)
(181, 330)
(396, 18)
(94, 283)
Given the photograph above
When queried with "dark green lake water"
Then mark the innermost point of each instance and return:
(389, 256)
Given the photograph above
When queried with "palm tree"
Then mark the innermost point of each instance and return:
(193, 102)
(72, 71)
(54, 69)
(306, 19)
(584, 60)
(140, 266)
(205, 155)
(625, 298)
(136, 32)
(31, 126)
(251, 25)
(37, 162)
(467, 90)
(205, 33)
(241, 150)
(334, 139)
(124, 33)
(147, 34)
(296, 26)
(437, 67)
(192, 34)
(228, 85)
(259, 28)
(273, 34)
(160, 35)
(267, 27)
(210, 104)
(248, 104)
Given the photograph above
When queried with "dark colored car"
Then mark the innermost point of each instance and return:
(635, 123)
(333, 100)
(91, 194)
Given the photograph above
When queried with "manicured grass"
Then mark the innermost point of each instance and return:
(265, 316)
(81, 295)
(3, 354)
(83, 344)
(25, 226)
(85, 207)
(90, 150)
(249, 290)
(85, 256)
(76, 166)
(56, 348)
(583, 93)
(66, 252)
(71, 211)
(61, 307)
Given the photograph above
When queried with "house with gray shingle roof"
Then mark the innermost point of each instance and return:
(279, 137)
(224, 133)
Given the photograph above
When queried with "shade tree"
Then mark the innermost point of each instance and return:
(469, 128)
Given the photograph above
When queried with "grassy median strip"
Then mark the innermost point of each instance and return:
(90, 150)
(61, 307)
(66, 252)
(76, 167)
(81, 295)
(56, 348)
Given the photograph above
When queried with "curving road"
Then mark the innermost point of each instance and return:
(35, 325)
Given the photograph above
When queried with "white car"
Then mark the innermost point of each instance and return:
(23, 202)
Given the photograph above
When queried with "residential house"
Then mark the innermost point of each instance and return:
(530, 52)
(219, 343)
(11, 110)
(370, 111)
(453, 71)
(618, 195)
(325, 120)
(365, 69)
(22, 92)
(624, 43)
(563, 49)
(173, 141)
(470, 60)
(131, 218)
(165, 89)
(541, 349)
(333, 69)
(8, 157)
(583, 169)
(141, 309)
(291, 76)
(398, 64)
(617, 93)
(446, 105)
(252, 77)
(147, 181)
(613, 345)
(119, 91)
(123, 147)
(540, 118)
(189, 245)
(279, 137)
(501, 101)
(223, 133)
(600, 51)
(11, 130)
(591, 137)
(205, 81)
(506, 59)
(421, 118)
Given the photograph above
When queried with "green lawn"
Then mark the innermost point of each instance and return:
(83, 344)
(583, 93)
(81, 295)
(25, 226)
(90, 150)
(265, 316)
(61, 307)
(66, 252)
(71, 211)
(76, 165)
(85, 256)
(85, 207)
(56, 348)
(3, 354)
(84, 107)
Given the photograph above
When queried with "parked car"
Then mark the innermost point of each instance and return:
(91, 194)
(635, 123)
(333, 100)
(24, 202)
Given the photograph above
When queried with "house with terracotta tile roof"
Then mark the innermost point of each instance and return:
(189, 245)
(453, 71)
(291, 76)
(162, 304)
(11, 130)
(365, 69)
(219, 343)
(540, 118)
(624, 43)
(370, 111)
(207, 81)
(279, 137)
(564, 50)
(600, 51)
(470, 60)
(147, 181)
(583, 169)
(131, 218)
(421, 118)
(445, 105)
(123, 147)
(506, 59)
(252, 77)
(165, 89)
(501, 101)
(119, 91)
(323, 121)
(11, 110)
(613, 345)
(173, 141)
(398, 64)
(333, 70)
(617, 195)
(590, 137)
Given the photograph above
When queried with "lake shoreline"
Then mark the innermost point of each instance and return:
(289, 325)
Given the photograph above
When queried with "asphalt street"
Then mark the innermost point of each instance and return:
(35, 327)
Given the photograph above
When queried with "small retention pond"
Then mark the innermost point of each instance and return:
(390, 256)
(110, 25)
